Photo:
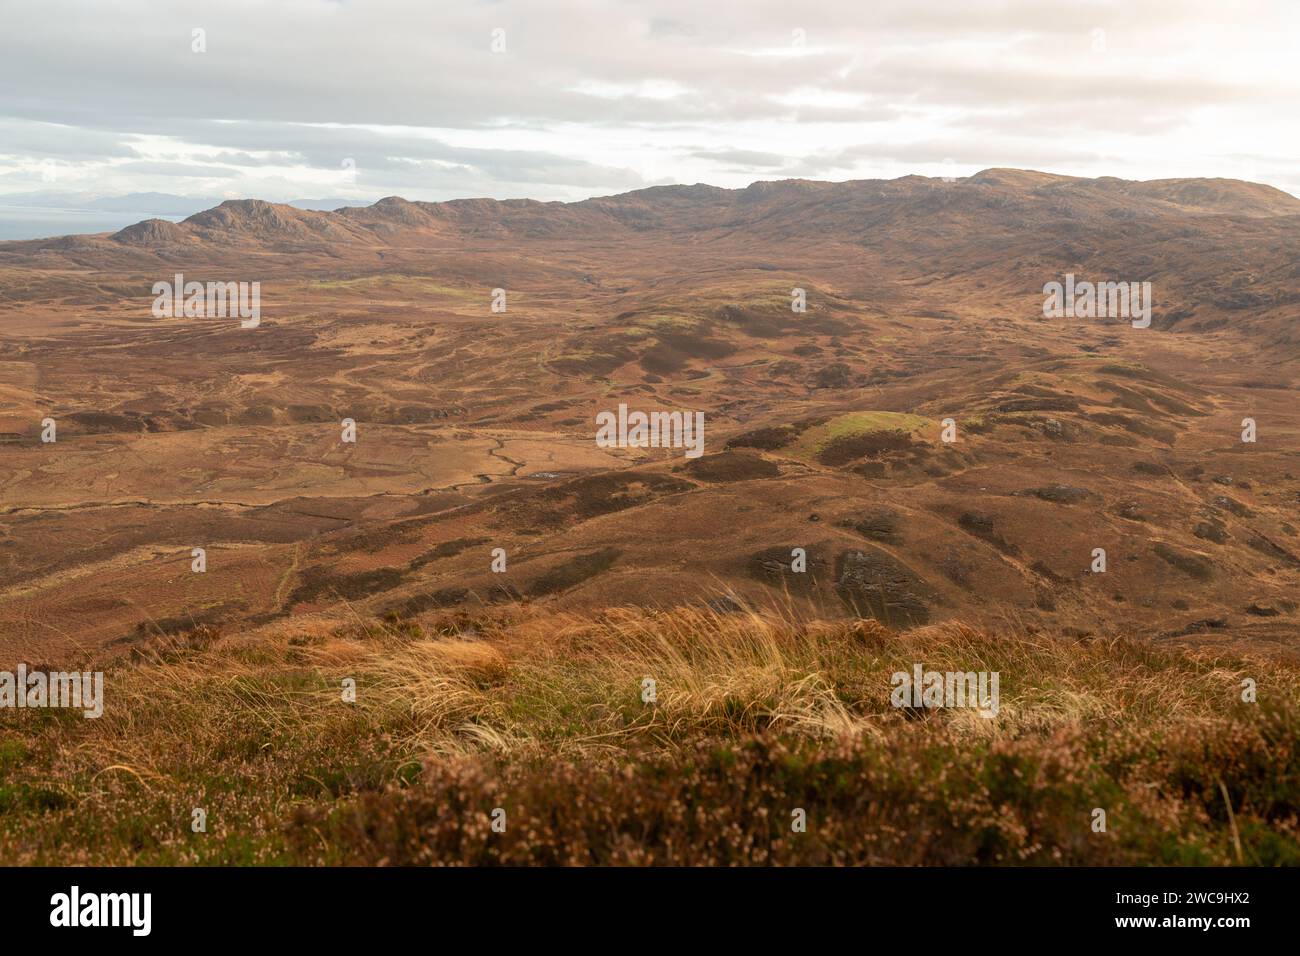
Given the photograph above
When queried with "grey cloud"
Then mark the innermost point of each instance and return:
(1012, 81)
(54, 141)
(409, 63)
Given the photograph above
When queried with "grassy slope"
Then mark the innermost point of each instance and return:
(541, 714)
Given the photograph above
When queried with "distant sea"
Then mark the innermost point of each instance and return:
(42, 222)
(63, 218)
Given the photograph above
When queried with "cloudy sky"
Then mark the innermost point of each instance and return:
(439, 99)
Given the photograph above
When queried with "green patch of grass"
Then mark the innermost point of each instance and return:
(661, 322)
(814, 440)
(12, 754)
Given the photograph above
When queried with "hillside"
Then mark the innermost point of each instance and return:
(538, 721)
(824, 428)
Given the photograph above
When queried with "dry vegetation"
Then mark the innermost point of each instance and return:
(924, 303)
(540, 712)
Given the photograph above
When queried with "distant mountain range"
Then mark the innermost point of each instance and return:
(51, 213)
(43, 213)
(1217, 248)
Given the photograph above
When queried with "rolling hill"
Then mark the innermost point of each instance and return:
(824, 428)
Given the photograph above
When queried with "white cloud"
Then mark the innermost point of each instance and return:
(600, 96)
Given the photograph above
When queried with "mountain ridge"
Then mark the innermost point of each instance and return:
(649, 207)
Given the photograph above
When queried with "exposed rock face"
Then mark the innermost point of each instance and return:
(877, 585)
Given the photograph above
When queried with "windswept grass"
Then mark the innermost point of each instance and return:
(754, 715)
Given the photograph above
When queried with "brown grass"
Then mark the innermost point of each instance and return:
(755, 714)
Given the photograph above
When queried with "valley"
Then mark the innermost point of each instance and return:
(477, 429)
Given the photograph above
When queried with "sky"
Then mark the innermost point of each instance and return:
(348, 102)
